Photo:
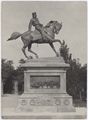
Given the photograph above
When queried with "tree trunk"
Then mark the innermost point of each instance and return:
(1, 88)
(15, 87)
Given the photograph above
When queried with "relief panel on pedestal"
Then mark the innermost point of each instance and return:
(51, 82)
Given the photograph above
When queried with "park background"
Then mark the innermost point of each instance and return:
(73, 15)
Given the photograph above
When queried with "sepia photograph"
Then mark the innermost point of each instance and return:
(44, 60)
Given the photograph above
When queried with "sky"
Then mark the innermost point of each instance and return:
(16, 15)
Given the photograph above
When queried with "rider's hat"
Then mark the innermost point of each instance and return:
(34, 13)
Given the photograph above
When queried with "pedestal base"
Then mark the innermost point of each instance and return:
(25, 115)
(45, 86)
(45, 103)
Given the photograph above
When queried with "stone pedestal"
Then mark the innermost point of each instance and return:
(45, 86)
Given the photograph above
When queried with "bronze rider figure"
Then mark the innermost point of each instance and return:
(35, 22)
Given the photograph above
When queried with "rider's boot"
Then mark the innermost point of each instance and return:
(42, 36)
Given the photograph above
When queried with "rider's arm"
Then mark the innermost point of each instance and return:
(30, 25)
(39, 22)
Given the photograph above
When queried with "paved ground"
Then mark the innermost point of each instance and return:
(11, 113)
(43, 119)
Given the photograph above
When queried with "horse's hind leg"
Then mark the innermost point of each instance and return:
(29, 49)
(23, 50)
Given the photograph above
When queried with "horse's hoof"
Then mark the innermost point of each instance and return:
(37, 56)
(57, 54)
(30, 57)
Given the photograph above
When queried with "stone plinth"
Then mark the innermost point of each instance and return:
(45, 86)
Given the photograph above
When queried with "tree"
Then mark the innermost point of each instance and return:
(64, 52)
(83, 82)
(6, 71)
(73, 79)
(10, 75)
(76, 75)
(19, 76)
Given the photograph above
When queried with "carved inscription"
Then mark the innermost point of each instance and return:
(23, 102)
(57, 101)
(41, 102)
(66, 102)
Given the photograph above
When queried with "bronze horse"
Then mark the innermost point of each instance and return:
(30, 37)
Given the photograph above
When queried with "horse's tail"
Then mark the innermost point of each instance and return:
(14, 35)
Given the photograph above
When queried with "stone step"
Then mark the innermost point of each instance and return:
(11, 114)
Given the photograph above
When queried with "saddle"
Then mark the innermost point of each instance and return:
(36, 34)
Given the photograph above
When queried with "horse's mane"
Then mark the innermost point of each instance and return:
(48, 24)
(51, 21)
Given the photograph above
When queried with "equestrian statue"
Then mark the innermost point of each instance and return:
(41, 34)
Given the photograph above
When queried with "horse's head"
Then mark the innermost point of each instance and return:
(57, 27)
(50, 24)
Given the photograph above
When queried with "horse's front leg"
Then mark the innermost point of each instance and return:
(52, 46)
